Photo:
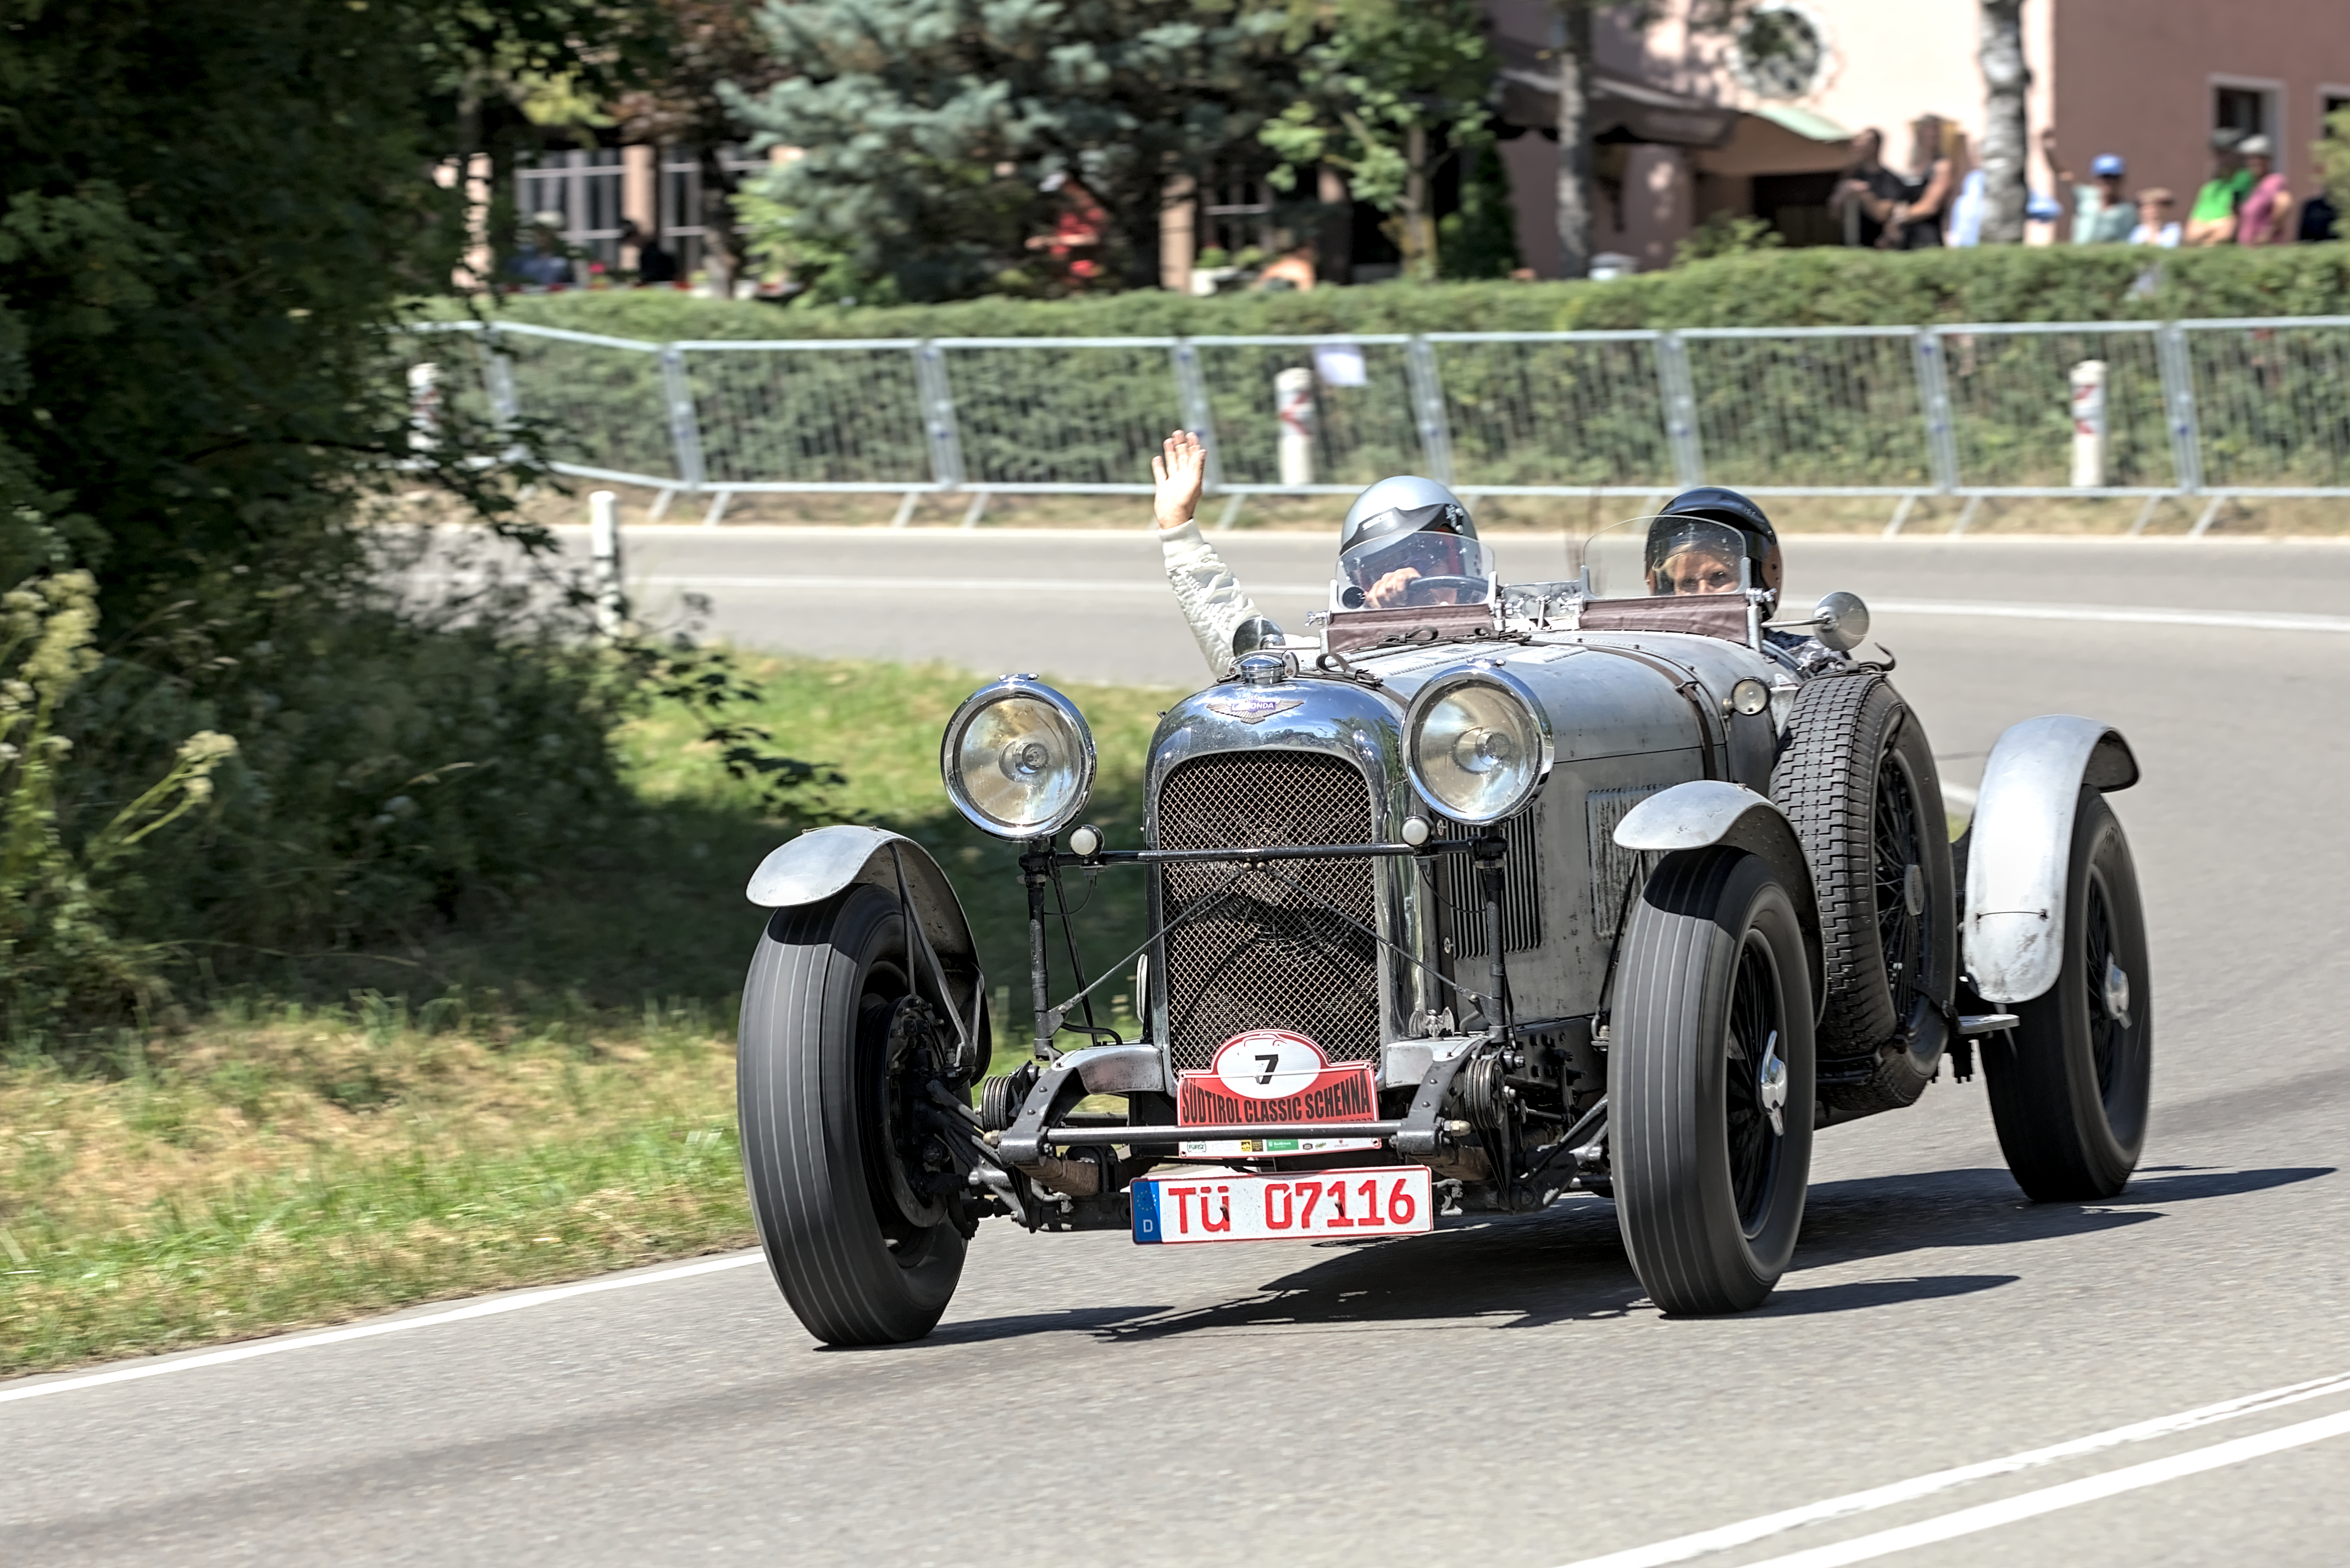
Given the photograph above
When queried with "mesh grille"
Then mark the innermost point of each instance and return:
(1268, 956)
(1612, 865)
(1521, 888)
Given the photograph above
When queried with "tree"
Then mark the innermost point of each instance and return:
(1575, 189)
(2007, 79)
(926, 127)
(215, 219)
(1388, 89)
(705, 48)
(1574, 53)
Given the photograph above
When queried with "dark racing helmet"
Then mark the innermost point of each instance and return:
(1414, 526)
(1695, 521)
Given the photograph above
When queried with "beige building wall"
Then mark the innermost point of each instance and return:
(2137, 78)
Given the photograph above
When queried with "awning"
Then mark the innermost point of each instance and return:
(1771, 138)
(1635, 110)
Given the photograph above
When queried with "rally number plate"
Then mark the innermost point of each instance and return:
(1387, 1201)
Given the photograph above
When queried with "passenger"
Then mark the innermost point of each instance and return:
(1406, 541)
(1687, 557)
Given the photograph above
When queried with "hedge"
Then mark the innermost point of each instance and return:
(1808, 288)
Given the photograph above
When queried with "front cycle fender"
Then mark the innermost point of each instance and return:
(826, 861)
(2020, 845)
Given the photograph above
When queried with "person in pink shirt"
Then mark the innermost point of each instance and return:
(2266, 216)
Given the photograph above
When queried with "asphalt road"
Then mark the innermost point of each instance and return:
(1500, 1392)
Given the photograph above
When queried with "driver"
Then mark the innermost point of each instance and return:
(1406, 541)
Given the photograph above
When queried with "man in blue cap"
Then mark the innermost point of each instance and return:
(2101, 214)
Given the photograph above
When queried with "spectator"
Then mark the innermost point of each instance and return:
(2101, 215)
(540, 261)
(2212, 220)
(1938, 149)
(2319, 217)
(654, 263)
(2158, 222)
(2266, 216)
(1869, 191)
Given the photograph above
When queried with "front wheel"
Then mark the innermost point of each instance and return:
(2068, 1086)
(1709, 1082)
(836, 1052)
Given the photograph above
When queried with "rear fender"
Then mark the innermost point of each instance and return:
(2019, 855)
(1707, 812)
(825, 861)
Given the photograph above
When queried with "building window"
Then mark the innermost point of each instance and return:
(1236, 212)
(582, 189)
(678, 198)
(2246, 110)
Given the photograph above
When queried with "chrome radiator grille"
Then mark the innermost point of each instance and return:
(1268, 954)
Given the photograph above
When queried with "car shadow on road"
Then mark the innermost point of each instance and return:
(1568, 1264)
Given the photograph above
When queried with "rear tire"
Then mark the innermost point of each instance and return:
(1714, 988)
(2068, 1086)
(863, 1255)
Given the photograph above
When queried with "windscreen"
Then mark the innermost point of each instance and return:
(1415, 570)
(1665, 555)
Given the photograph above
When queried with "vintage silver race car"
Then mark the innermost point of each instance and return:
(1457, 906)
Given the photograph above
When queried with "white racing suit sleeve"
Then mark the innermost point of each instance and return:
(1210, 595)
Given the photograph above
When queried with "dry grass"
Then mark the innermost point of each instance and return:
(260, 1174)
(1867, 514)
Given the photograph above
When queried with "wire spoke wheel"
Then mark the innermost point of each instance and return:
(1858, 780)
(1709, 1082)
(1755, 1086)
(837, 1051)
(2069, 1085)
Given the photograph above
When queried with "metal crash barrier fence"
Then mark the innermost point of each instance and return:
(2205, 409)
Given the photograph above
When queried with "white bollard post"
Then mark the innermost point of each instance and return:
(1292, 407)
(423, 406)
(604, 545)
(2089, 424)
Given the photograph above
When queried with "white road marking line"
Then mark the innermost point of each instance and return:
(1680, 1548)
(2234, 620)
(970, 585)
(2071, 1494)
(2150, 615)
(370, 1330)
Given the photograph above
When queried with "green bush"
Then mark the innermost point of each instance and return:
(1809, 288)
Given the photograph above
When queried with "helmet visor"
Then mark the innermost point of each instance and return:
(1667, 556)
(1424, 566)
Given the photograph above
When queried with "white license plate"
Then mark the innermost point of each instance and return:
(1380, 1201)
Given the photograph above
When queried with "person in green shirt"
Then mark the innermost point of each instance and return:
(2212, 220)
(2102, 214)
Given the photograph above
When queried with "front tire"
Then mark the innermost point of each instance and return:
(826, 1075)
(1712, 1035)
(2068, 1086)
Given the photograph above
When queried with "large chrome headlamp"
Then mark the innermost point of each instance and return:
(1477, 745)
(1018, 759)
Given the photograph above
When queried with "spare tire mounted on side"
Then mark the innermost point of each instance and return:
(1858, 781)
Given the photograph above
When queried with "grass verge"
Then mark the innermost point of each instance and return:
(535, 1092)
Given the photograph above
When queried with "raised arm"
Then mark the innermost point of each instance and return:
(1210, 596)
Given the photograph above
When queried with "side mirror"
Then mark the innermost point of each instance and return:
(1258, 632)
(1841, 621)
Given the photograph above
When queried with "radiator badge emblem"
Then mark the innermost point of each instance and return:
(1251, 708)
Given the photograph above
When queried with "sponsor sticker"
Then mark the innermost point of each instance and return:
(1270, 1075)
